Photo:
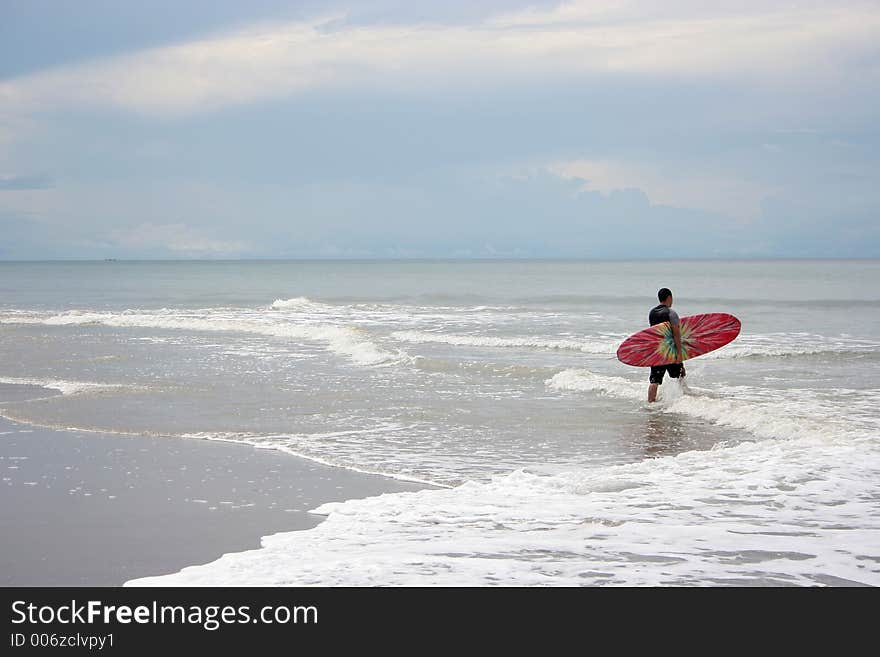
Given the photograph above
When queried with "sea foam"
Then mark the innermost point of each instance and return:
(795, 506)
(756, 513)
(64, 387)
(784, 417)
(352, 342)
(603, 346)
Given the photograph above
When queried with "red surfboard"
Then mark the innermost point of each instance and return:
(700, 334)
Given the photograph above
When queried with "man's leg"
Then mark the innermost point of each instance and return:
(656, 379)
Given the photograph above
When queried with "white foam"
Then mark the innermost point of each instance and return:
(798, 512)
(347, 341)
(299, 303)
(337, 326)
(288, 443)
(64, 387)
(768, 345)
(406, 314)
(587, 381)
(782, 417)
(601, 346)
(799, 507)
(791, 344)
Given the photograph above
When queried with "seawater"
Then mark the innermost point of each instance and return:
(497, 382)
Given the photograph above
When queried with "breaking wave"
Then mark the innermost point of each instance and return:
(354, 343)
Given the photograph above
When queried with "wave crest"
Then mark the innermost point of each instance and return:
(600, 346)
(354, 343)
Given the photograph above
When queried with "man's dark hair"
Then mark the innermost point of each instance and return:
(664, 294)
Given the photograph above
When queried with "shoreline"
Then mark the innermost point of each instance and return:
(100, 509)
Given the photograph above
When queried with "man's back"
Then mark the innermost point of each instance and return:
(662, 313)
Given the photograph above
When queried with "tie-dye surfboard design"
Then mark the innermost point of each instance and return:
(700, 334)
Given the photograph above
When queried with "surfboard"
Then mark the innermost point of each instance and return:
(700, 334)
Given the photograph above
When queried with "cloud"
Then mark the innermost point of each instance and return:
(178, 239)
(396, 131)
(274, 60)
(670, 184)
(13, 182)
(446, 214)
(536, 215)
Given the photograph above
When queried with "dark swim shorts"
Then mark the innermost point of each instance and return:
(657, 372)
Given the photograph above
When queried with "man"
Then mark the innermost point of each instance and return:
(658, 315)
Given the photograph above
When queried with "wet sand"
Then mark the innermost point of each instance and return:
(95, 509)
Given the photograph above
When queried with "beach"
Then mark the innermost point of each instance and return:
(97, 509)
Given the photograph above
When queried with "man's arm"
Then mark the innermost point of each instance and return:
(676, 335)
(675, 323)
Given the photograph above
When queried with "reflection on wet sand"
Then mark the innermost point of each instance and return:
(664, 435)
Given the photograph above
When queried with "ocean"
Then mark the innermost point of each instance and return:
(495, 382)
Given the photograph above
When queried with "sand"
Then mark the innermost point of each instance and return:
(95, 509)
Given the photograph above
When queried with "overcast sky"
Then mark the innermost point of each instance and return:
(383, 128)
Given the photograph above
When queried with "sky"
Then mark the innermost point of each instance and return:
(454, 129)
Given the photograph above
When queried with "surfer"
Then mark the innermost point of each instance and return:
(658, 315)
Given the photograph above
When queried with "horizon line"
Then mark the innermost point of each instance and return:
(450, 259)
